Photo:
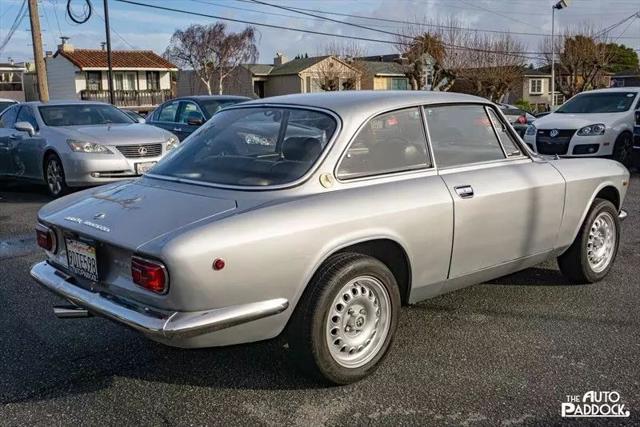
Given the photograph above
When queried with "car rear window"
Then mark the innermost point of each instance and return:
(259, 146)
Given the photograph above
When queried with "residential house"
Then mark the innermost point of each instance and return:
(11, 80)
(626, 78)
(390, 76)
(380, 75)
(141, 78)
(284, 76)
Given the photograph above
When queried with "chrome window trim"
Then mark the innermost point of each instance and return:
(483, 165)
(304, 178)
(426, 166)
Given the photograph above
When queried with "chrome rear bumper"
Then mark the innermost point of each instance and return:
(163, 324)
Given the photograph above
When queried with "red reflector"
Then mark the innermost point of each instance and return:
(150, 275)
(45, 238)
(218, 264)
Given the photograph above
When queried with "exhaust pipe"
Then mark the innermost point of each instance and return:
(70, 312)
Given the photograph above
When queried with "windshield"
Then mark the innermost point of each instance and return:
(252, 147)
(5, 104)
(213, 106)
(603, 102)
(82, 115)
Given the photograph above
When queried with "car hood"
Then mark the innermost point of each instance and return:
(116, 134)
(575, 121)
(130, 214)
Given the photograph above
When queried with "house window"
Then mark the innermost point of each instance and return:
(94, 80)
(126, 80)
(308, 84)
(535, 87)
(399, 84)
(153, 80)
(559, 99)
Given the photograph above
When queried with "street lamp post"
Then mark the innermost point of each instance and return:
(560, 5)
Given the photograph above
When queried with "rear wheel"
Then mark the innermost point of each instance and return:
(344, 324)
(622, 149)
(591, 255)
(54, 176)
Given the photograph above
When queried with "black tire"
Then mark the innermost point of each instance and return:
(574, 263)
(307, 330)
(622, 149)
(61, 188)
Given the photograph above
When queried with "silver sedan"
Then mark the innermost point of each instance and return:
(77, 144)
(317, 216)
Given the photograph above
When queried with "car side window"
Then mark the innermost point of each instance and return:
(168, 112)
(8, 118)
(390, 142)
(462, 134)
(189, 111)
(510, 146)
(26, 115)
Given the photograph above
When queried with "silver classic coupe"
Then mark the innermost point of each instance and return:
(317, 216)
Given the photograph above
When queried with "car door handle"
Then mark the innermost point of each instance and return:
(464, 191)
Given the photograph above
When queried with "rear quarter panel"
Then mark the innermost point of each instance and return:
(585, 179)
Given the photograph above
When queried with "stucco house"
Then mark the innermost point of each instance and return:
(626, 78)
(141, 78)
(284, 76)
(380, 75)
(11, 80)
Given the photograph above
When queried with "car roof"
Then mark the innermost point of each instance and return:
(352, 103)
(67, 102)
(211, 97)
(612, 89)
(8, 100)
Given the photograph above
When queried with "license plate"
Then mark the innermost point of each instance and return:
(82, 259)
(144, 167)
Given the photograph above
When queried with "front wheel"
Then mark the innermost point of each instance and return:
(54, 176)
(344, 324)
(622, 149)
(592, 253)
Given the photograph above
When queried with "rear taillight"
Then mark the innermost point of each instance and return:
(46, 238)
(149, 274)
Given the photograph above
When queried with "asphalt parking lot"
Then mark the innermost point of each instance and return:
(501, 353)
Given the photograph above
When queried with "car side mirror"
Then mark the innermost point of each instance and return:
(195, 120)
(25, 127)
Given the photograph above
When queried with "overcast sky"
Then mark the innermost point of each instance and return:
(143, 28)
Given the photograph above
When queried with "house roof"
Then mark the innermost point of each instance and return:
(627, 73)
(295, 66)
(378, 68)
(97, 58)
(259, 69)
(534, 72)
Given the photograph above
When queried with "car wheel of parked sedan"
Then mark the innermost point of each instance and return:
(591, 255)
(344, 323)
(54, 176)
(622, 149)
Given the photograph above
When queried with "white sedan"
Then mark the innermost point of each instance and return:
(593, 123)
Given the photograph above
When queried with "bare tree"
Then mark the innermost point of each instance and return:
(332, 77)
(211, 52)
(582, 56)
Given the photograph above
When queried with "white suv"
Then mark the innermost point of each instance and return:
(594, 123)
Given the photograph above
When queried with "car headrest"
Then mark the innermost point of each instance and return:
(301, 148)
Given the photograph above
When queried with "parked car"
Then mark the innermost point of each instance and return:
(317, 216)
(183, 116)
(5, 103)
(137, 117)
(593, 123)
(518, 118)
(76, 144)
(635, 153)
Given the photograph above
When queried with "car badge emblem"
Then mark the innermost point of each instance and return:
(554, 133)
(142, 151)
(99, 215)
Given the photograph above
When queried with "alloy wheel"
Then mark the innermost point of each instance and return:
(601, 242)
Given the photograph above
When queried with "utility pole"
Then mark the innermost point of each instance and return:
(560, 5)
(36, 37)
(107, 31)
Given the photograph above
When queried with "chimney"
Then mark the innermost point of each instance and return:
(280, 59)
(11, 62)
(65, 46)
(103, 45)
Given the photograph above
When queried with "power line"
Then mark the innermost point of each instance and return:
(22, 12)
